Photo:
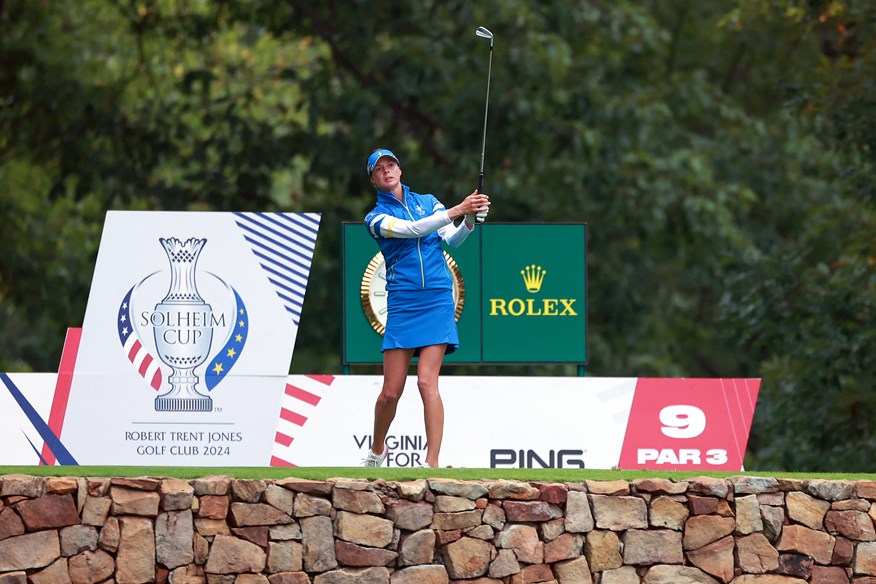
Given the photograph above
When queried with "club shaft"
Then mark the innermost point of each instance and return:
(486, 111)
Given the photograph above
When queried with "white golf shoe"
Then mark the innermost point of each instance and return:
(375, 460)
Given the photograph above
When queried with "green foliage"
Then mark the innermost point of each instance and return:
(722, 154)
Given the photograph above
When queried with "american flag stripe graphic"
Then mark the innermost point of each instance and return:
(145, 364)
(301, 394)
(292, 417)
(299, 403)
(284, 244)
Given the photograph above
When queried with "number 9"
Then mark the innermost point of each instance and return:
(682, 421)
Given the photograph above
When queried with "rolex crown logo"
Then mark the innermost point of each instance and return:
(533, 276)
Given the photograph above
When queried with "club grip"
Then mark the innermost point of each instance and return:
(478, 218)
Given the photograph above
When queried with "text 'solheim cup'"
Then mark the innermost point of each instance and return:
(183, 329)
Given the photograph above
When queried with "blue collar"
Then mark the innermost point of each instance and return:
(405, 191)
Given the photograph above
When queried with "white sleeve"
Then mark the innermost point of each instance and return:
(388, 226)
(454, 235)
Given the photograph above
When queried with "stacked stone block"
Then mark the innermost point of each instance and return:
(220, 530)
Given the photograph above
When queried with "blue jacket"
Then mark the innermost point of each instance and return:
(409, 235)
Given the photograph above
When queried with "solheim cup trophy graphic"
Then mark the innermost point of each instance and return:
(183, 329)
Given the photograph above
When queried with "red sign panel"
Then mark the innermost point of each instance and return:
(689, 424)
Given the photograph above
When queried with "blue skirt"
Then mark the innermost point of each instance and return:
(419, 318)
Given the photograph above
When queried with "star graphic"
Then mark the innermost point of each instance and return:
(241, 324)
(241, 311)
(238, 338)
(232, 353)
(217, 369)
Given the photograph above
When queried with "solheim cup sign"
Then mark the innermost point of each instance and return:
(191, 320)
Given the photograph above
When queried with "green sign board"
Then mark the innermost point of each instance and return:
(520, 290)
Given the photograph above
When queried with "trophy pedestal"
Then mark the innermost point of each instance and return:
(183, 397)
(177, 404)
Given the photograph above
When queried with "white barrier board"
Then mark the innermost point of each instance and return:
(500, 422)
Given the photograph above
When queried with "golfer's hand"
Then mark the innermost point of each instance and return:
(472, 204)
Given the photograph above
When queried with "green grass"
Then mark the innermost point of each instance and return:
(402, 474)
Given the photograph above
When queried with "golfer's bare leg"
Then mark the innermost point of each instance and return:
(428, 367)
(396, 363)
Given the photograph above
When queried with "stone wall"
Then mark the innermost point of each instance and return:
(218, 530)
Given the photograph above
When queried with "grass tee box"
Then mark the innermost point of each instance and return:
(407, 474)
(520, 291)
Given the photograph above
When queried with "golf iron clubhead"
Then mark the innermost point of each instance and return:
(485, 33)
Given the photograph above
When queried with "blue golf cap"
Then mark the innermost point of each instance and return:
(377, 155)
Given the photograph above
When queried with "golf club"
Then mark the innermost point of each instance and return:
(486, 34)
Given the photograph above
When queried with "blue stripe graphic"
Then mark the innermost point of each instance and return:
(54, 444)
(312, 227)
(284, 244)
(43, 461)
(277, 236)
(290, 262)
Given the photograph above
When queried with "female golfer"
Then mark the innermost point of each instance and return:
(420, 322)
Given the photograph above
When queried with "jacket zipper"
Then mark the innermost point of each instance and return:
(419, 252)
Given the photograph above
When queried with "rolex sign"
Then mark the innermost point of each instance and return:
(533, 296)
(520, 293)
